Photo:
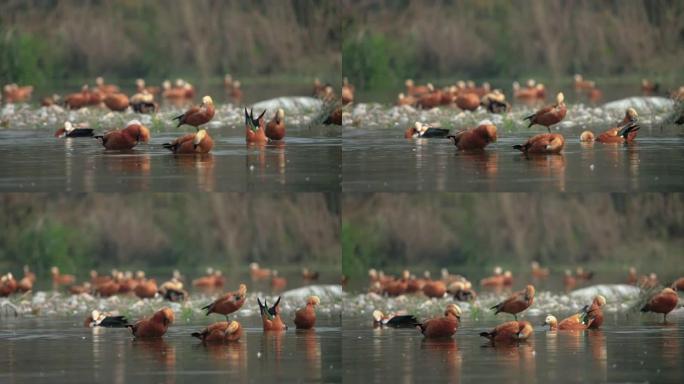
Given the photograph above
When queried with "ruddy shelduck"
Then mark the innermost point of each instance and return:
(475, 138)
(60, 279)
(510, 332)
(468, 101)
(572, 323)
(127, 138)
(198, 114)
(270, 317)
(220, 332)
(257, 273)
(663, 302)
(305, 318)
(592, 314)
(442, 327)
(198, 142)
(538, 272)
(626, 132)
(116, 102)
(549, 115)
(154, 326)
(543, 143)
(434, 289)
(228, 303)
(517, 302)
(255, 130)
(275, 129)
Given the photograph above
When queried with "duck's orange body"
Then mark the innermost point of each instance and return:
(8, 285)
(512, 331)
(198, 115)
(278, 283)
(549, 143)
(146, 289)
(474, 139)
(126, 138)
(572, 323)
(434, 288)
(594, 313)
(228, 303)
(255, 129)
(678, 284)
(59, 279)
(275, 129)
(107, 288)
(198, 142)
(549, 115)
(116, 101)
(155, 326)
(305, 318)
(442, 327)
(270, 317)
(347, 94)
(257, 273)
(221, 332)
(24, 285)
(430, 100)
(626, 132)
(517, 302)
(663, 302)
(468, 101)
(78, 100)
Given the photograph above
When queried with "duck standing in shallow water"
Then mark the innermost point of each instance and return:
(442, 327)
(127, 138)
(549, 115)
(275, 129)
(517, 302)
(228, 303)
(475, 138)
(543, 143)
(198, 115)
(305, 318)
(663, 302)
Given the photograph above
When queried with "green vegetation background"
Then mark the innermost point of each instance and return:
(44, 41)
(397, 231)
(186, 231)
(387, 41)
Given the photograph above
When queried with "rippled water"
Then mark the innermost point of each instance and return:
(41, 350)
(625, 350)
(307, 160)
(380, 159)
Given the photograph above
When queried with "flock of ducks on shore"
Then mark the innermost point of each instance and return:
(124, 283)
(590, 317)
(257, 129)
(468, 96)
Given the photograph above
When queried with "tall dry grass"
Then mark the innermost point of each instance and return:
(396, 230)
(163, 230)
(488, 38)
(202, 38)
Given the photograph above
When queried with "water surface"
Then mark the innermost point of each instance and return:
(49, 350)
(625, 350)
(307, 160)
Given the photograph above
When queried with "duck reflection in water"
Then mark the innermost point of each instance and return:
(203, 166)
(307, 341)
